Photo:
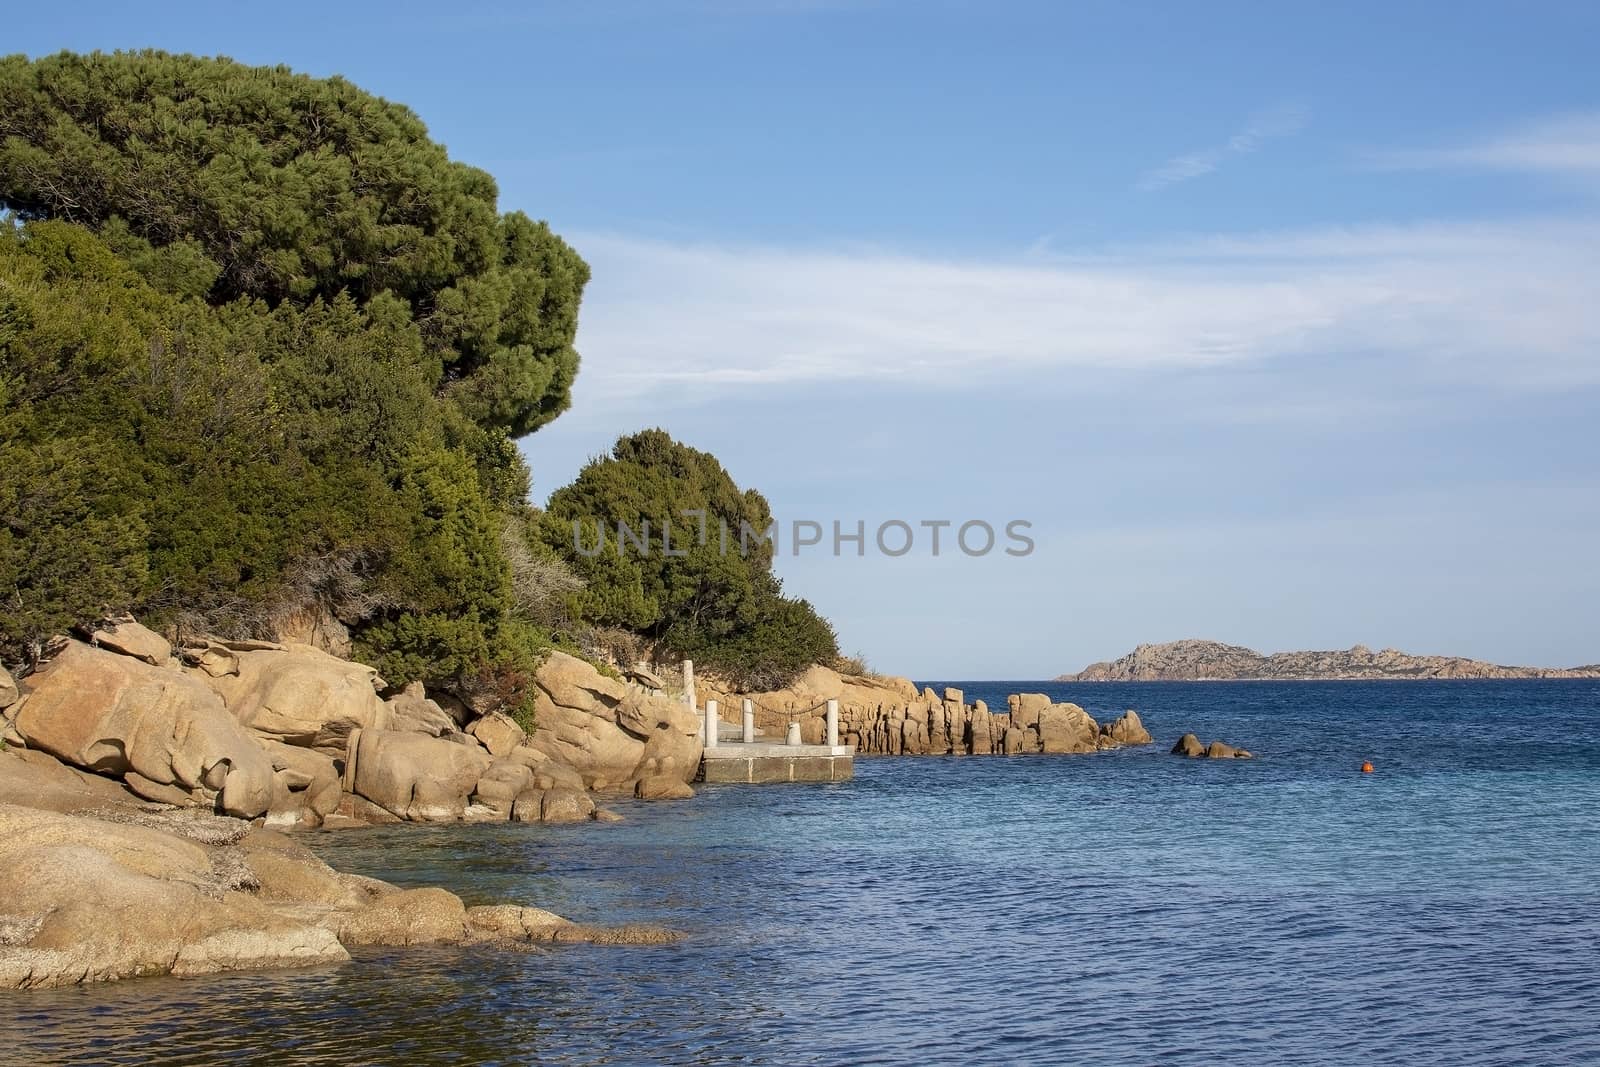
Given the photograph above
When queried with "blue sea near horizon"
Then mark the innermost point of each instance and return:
(1128, 907)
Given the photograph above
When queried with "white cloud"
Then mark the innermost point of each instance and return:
(1499, 304)
(1568, 144)
(1280, 122)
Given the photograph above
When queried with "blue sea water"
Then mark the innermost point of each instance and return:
(1124, 908)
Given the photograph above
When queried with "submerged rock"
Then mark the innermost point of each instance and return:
(1189, 745)
(86, 899)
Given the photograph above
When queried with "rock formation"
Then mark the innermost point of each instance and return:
(299, 738)
(96, 886)
(1206, 661)
(888, 716)
(1189, 746)
(1127, 729)
(611, 733)
(119, 715)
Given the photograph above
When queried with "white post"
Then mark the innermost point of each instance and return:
(688, 684)
(711, 724)
(833, 723)
(749, 721)
(794, 734)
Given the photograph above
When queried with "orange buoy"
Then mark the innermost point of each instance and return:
(1366, 768)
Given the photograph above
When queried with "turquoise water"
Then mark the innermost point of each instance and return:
(1129, 907)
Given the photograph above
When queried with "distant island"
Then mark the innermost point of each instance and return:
(1213, 661)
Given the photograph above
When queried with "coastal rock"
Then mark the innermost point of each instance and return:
(408, 917)
(501, 784)
(410, 711)
(129, 638)
(604, 729)
(980, 730)
(565, 805)
(513, 922)
(286, 871)
(36, 780)
(84, 899)
(509, 922)
(113, 714)
(497, 733)
(1189, 745)
(155, 791)
(309, 786)
(356, 810)
(296, 696)
(1127, 729)
(212, 657)
(9, 693)
(648, 679)
(1067, 728)
(132, 891)
(662, 787)
(417, 778)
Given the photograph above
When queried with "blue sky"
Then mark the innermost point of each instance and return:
(1278, 322)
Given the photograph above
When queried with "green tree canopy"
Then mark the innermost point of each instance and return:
(221, 180)
(713, 596)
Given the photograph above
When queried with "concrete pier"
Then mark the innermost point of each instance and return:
(763, 762)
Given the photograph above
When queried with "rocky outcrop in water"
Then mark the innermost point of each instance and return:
(1205, 661)
(888, 716)
(95, 885)
(1189, 746)
(299, 738)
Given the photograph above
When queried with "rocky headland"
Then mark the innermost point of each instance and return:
(146, 788)
(1208, 661)
(143, 788)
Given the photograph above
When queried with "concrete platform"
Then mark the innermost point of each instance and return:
(764, 761)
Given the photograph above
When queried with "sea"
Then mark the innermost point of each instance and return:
(1129, 907)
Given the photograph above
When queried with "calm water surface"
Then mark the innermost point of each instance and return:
(1129, 908)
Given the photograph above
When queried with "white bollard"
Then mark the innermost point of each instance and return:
(688, 684)
(794, 733)
(749, 721)
(711, 724)
(833, 724)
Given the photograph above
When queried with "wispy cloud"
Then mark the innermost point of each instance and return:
(1507, 304)
(1279, 122)
(1567, 144)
